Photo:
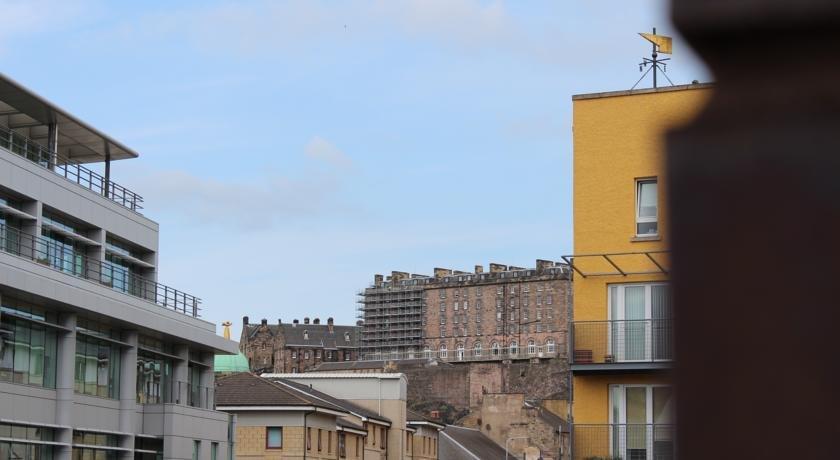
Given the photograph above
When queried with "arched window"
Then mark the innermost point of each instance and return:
(427, 352)
(305, 335)
(514, 348)
(549, 345)
(460, 351)
(443, 351)
(477, 349)
(495, 349)
(532, 348)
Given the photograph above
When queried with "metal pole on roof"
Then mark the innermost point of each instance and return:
(52, 143)
(107, 185)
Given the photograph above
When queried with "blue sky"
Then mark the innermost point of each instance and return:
(292, 149)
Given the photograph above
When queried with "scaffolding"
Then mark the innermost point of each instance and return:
(393, 318)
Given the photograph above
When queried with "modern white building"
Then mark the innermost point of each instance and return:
(98, 360)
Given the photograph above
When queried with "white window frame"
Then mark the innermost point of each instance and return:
(443, 352)
(639, 218)
(621, 389)
(618, 319)
(477, 349)
(532, 347)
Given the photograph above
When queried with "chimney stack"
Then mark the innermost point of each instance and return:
(398, 276)
(330, 324)
(543, 264)
(279, 321)
(479, 269)
(360, 323)
(497, 268)
(316, 321)
(295, 322)
(244, 320)
(264, 322)
(377, 280)
(306, 320)
(441, 272)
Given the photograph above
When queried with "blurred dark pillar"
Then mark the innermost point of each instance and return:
(755, 208)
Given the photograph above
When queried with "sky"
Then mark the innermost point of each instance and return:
(290, 150)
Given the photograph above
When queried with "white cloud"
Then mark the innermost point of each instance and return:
(319, 148)
(27, 17)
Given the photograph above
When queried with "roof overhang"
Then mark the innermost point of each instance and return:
(436, 425)
(351, 430)
(320, 410)
(77, 140)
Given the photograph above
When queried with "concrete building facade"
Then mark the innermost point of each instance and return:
(97, 358)
(508, 313)
(297, 346)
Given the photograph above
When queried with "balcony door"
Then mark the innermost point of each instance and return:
(641, 421)
(639, 322)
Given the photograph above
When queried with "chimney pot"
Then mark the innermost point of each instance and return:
(306, 320)
(264, 321)
(279, 320)
(479, 269)
(316, 321)
(330, 320)
(295, 322)
(360, 323)
(245, 320)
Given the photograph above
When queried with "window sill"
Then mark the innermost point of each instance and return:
(637, 239)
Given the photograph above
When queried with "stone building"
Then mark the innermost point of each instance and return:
(507, 313)
(295, 347)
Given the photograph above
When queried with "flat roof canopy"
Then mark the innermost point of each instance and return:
(77, 140)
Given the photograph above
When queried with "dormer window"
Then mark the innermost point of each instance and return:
(346, 336)
(305, 335)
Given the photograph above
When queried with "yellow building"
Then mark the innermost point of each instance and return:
(621, 331)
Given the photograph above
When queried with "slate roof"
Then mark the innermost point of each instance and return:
(412, 416)
(475, 442)
(319, 334)
(246, 389)
(348, 424)
(343, 404)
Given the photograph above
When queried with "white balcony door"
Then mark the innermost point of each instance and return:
(641, 417)
(637, 331)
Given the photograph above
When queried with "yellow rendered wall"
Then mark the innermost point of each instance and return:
(592, 396)
(617, 140)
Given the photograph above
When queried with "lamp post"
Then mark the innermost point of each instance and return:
(510, 439)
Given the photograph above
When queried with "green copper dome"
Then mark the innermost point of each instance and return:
(231, 363)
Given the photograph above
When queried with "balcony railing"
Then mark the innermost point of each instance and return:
(456, 355)
(46, 252)
(614, 342)
(175, 392)
(623, 442)
(69, 169)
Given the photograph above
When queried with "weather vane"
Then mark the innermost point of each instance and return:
(661, 44)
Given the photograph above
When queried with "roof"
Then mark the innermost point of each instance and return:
(348, 406)
(344, 423)
(318, 335)
(472, 442)
(375, 364)
(231, 363)
(664, 89)
(419, 419)
(77, 140)
(336, 375)
(248, 390)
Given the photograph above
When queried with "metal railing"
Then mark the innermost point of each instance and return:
(623, 442)
(46, 252)
(69, 169)
(607, 342)
(456, 355)
(178, 392)
(199, 396)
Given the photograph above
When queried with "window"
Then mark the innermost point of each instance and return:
(466, 304)
(329, 354)
(262, 346)
(525, 300)
(549, 345)
(154, 376)
(646, 406)
(525, 314)
(443, 306)
(647, 211)
(443, 351)
(384, 442)
(196, 450)
(308, 438)
(294, 354)
(640, 315)
(97, 370)
(498, 316)
(478, 292)
(495, 349)
(342, 445)
(442, 293)
(514, 348)
(214, 450)
(27, 350)
(318, 354)
(549, 299)
(477, 349)
(526, 287)
(478, 317)
(294, 370)
(306, 354)
(273, 437)
(512, 303)
(456, 306)
(305, 335)
(539, 327)
(329, 442)
(478, 304)
(427, 352)
(499, 290)
(443, 331)
(498, 303)
(442, 320)
(532, 347)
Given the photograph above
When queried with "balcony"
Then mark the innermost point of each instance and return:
(623, 442)
(45, 252)
(464, 355)
(622, 346)
(70, 170)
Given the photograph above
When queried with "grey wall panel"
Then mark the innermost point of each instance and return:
(25, 403)
(96, 413)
